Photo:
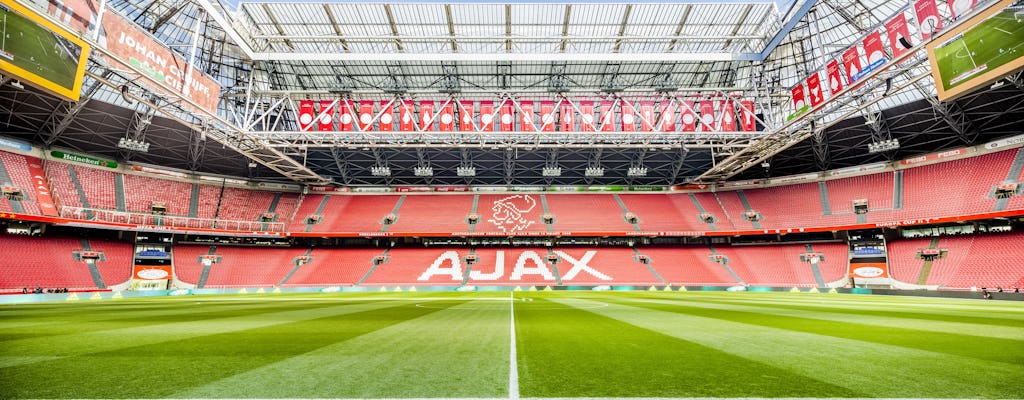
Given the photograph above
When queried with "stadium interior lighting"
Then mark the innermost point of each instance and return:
(883, 146)
(551, 171)
(465, 171)
(636, 171)
(133, 145)
(593, 171)
(380, 170)
(423, 171)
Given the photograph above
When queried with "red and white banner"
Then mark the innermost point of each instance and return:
(407, 116)
(486, 116)
(587, 116)
(899, 35)
(365, 115)
(446, 118)
(928, 19)
(466, 116)
(607, 117)
(526, 117)
(799, 97)
(386, 122)
(961, 7)
(707, 116)
(628, 117)
(306, 115)
(747, 120)
(869, 270)
(130, 45)
(152, 272)
(814, 91)
(42, 189)
(851, 61)
(566, 118)
(728, 121)
(668, 116)
(647, 120)
(508, 121)
(835, 80)
(426, 116)
(346, 110)
(547, 116)
(688, 116)
(325, 119)
(873, 48)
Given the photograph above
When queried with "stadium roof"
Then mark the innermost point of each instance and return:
(268, 54)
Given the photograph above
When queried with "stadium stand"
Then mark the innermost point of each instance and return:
(586, 212)
(240, 266)
(511, 213)
(946, 181)
(433, 213)
(620, 265)
(15, 172)
(990, 260)
(691, 265)
(116, 268)
(187, 266)
(355, 213)
(774, 265)
(407, 266)
(334, 267)
(27, 261)
(786, 206)
(904, 264)
(142, 191)
(663, 212)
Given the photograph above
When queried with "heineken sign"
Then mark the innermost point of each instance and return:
(60, 155)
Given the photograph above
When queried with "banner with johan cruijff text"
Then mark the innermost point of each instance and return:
(131, 46)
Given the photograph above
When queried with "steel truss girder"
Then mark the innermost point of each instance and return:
(525, 140)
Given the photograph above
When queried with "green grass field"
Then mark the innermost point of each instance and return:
(36, 49)
(561, 344)
(993, 43)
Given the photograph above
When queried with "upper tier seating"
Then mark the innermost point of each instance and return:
(433, 213)
(355, 213)
(142, 191)
(20, 177)
(576, 212)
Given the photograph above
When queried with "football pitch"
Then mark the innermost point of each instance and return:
(514, 345)
(985, 47)
(37, 50)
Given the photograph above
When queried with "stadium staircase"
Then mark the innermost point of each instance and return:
(700, 208)
(206, 270)
(473, 211)
(926, 267)
(1011, 176)
(319, 211)
(119, 194)
(547, 211)
(625, 211)
(79, 189)
(636, 257)
(193, 201)
(897, 191)
(295, 269)
(394, 211)
(97, 278)
(6, 178)
(814, 268)
(272, 208)
(469, 266)
(725, 264)
(826, 205)
(554, 266)
(374, 267)
(746, 207)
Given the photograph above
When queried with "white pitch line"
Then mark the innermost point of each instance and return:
(513, 367)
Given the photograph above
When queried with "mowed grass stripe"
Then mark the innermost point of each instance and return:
(22, 351)
(984, 348)
(158, 370)
(458, 349)
(992, 313)
(873, 369)
(85, 321)
(569, 352)
(963, 326)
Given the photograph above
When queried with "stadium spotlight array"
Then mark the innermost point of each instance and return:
(883, 146)
(423, 171)
(636, 171)
(465, 171)
(380, 170)
(593, 172)
(133, 145)
(551, 171)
